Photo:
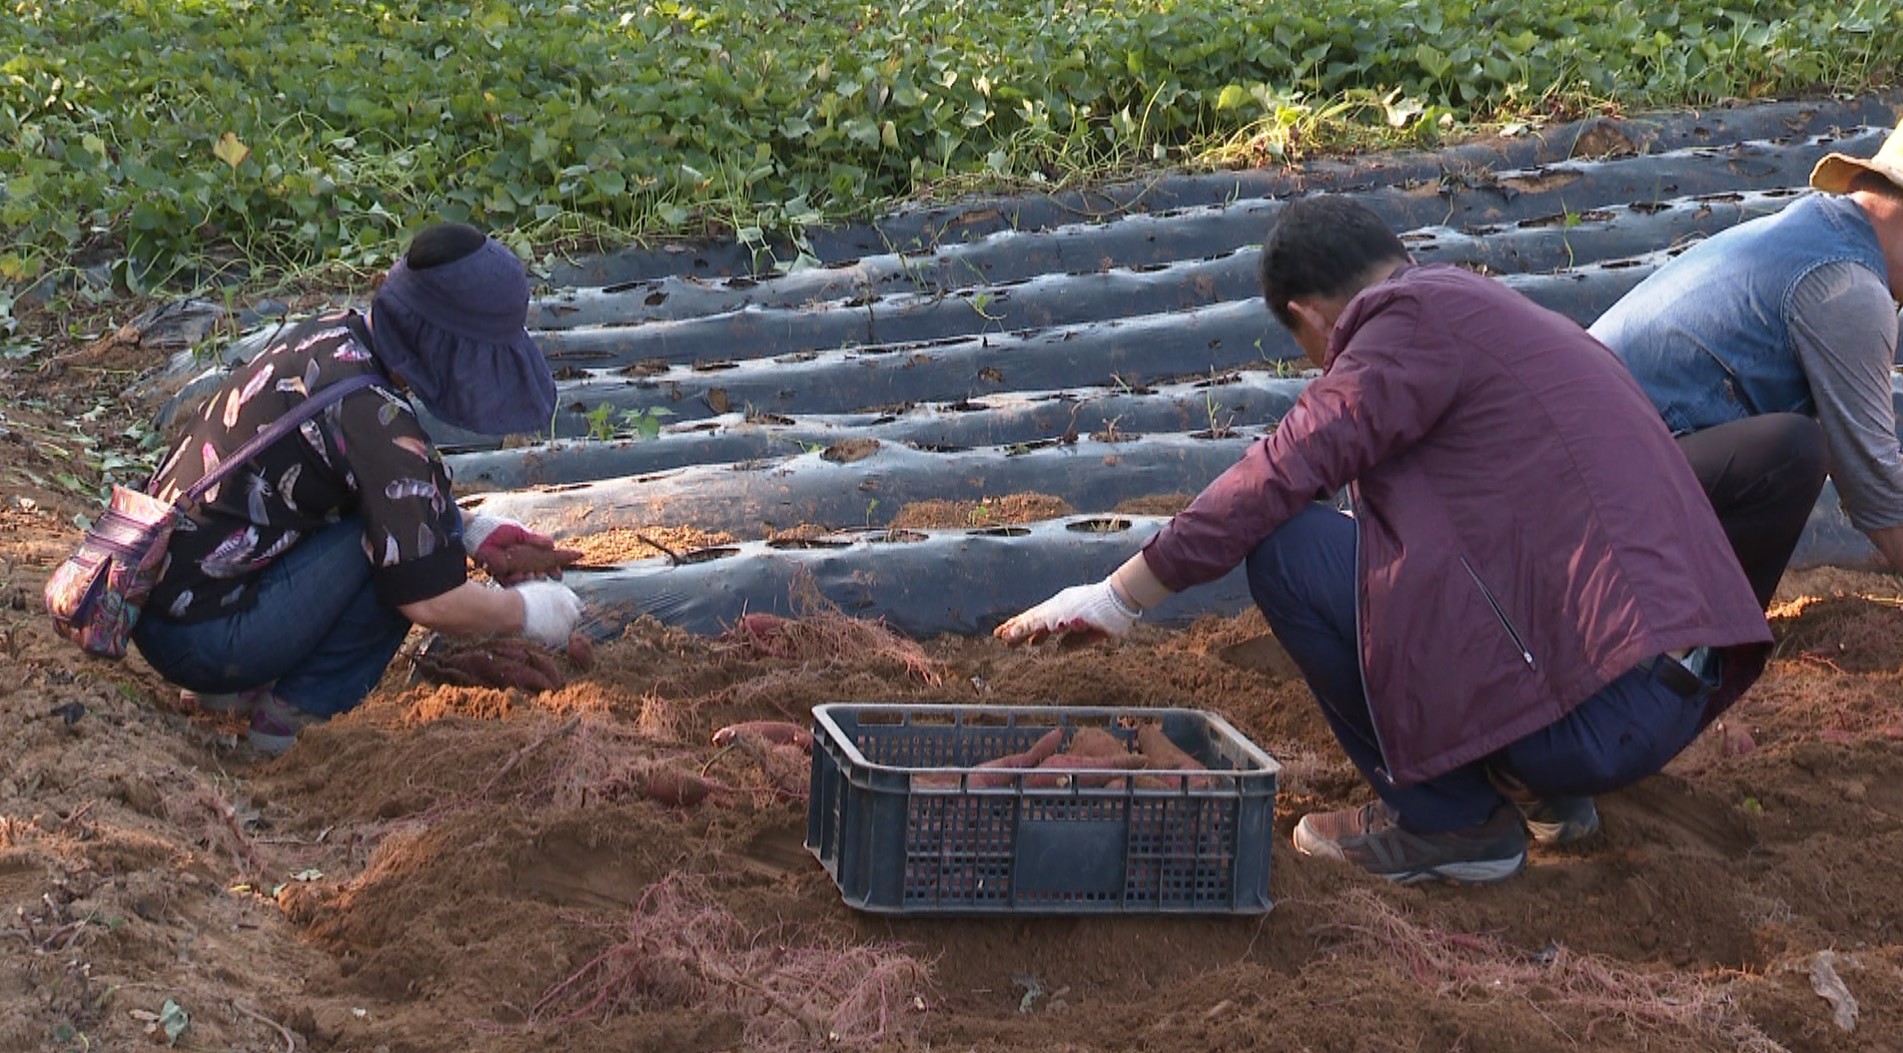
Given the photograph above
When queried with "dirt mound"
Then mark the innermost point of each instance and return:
(989, 511)
(621, 544)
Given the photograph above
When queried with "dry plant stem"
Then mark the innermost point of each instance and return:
(243, 849)
(1441, 960)
(290, 1040)
(762, 754)
(681, 947)
(518, 756)
(673, 557)
(814, 1028)
(719, 753)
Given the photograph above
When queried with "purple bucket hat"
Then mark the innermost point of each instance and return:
(455, 333)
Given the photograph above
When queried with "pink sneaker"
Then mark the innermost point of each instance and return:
(275, 724)
(230, 704)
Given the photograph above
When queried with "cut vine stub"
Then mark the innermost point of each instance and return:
(707, 555)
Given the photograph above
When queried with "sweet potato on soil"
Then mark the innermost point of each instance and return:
(828, 637)
(1165, 755)
(473, 667)
(502, 663)
(581, 650)
(675, 787)
(533, 655)
(790, 769)
(773, 732)
(764, 634)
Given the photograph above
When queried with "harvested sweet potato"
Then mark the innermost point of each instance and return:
(516, 649)
(581, 650)
(764, 634)
(438, 673)
(517, 562)
(502, 662)
(1163, 754)
(1040, 751)
(1063, 770)
(773, 732)
(474, 667)
(1096, 742)
(790, 769)
(675, 787)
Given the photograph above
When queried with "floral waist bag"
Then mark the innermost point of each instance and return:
(95, 596)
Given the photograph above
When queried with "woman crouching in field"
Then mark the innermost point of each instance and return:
(291, 585)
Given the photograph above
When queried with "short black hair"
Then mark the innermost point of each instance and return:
(1875, 183)
(1323, 246)
(443, 243)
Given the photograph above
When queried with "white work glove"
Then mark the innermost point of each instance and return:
(1086, 610)
(549, 611)
(477, 528)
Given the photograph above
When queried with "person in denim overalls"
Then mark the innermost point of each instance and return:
(1786, 327)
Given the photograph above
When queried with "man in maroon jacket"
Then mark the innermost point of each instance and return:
(1532, 601)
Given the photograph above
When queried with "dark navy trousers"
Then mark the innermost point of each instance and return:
(1303, 578)
(317, 629)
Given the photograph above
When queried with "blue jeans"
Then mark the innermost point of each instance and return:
(1303, 578)
(317, 628)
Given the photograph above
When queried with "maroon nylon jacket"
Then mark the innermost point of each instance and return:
(1528, 529)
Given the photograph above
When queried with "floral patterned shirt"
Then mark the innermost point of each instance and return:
(364, 456)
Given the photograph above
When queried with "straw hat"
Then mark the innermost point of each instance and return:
(1834, 173)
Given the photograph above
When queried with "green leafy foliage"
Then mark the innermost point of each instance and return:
(604, 424)
(295, 132)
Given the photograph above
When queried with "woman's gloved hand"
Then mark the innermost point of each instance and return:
(549, 611)
(511, 552)
(1085, 612)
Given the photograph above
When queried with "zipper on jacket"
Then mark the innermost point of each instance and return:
(1505, 623)
(1361, 664)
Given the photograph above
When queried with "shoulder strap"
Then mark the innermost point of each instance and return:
(279, 428)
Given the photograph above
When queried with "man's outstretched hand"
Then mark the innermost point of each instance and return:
(1081, 614)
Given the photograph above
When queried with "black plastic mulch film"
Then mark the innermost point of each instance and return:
(1007, 345)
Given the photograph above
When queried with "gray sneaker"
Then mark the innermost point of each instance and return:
(1372, 839)
(1552, 820)
(1560, 820)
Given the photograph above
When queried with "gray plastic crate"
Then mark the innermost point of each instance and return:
(896, 845)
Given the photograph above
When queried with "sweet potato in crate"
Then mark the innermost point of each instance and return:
(906, 822)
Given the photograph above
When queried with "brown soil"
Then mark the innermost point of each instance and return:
(988, 511)
(455, 869)
(846, 451)
(621, 544)
(1154, 505)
